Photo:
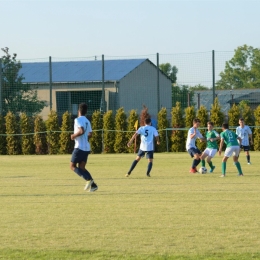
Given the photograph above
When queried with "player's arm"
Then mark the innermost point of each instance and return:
(250, 135)
(78, 133)
(192, 135)
(220, 146)
(215, 138)
(157, 139)
(251, 138)
(132, 139)
(202, 138)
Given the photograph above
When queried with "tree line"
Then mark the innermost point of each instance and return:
(111, 131)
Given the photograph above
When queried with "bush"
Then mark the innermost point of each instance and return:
(144, 115)
(163, 123)
(26, 124)
(109, 134)
(132, 126)
(177, 138)
(216, 115)
(202, 115)
(233, 115)
(97, 127)
(65, 142)
(12, 129)
(39, 138)
(52, 127)
(2, 136)
(120, 145)
(257, 129)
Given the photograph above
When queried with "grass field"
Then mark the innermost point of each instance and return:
(46, 214)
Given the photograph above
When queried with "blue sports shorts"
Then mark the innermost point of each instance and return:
(79, 156)
(245, 147)
(149, 154)
(192, 151)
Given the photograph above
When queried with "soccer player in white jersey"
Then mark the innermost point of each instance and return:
(245, 133)
(147, 133)
(82, 132)
(191, 147)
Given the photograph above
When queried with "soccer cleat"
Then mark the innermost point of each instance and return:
(240, 174)
(127, 175)
(193, 170)
(88, 184)
(148, 175)
(212, 169)
(94, 187)
(249, 163)
(222, 175)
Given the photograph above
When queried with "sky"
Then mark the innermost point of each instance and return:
(128, 28)
(66, 29)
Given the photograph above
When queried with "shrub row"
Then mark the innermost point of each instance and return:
(27, 135)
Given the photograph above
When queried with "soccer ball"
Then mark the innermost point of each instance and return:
(203, 170)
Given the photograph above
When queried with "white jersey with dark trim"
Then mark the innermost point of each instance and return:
(82, 142)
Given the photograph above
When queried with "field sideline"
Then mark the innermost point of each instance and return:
(46, 214)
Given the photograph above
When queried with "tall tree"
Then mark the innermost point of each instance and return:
(17, 96)
(170, 71)
(242, 71)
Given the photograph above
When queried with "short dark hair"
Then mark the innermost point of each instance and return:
(83, 109)
(196, 120)
(210, 123)
(241, 119)
(147, 121)
(225, 125)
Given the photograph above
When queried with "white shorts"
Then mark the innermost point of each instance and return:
(232, 150)
(210, 152)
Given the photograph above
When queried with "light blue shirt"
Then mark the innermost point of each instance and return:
(147, 137)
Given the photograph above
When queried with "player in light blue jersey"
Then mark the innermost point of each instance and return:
(82, 131)
(147, 134)
(245, 133)
(191, 147)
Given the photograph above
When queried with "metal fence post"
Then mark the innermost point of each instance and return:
(50, 81)
(198, 100)
(158, 83)
(1, 87)
(213, 75)
(103, 85)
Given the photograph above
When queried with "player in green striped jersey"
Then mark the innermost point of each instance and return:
(233, 148)
(212, 147)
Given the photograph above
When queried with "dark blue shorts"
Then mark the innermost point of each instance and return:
(246, 148)
(192, 151)
(149, 154)
(79, 156)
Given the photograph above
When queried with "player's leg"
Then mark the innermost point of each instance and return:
(137, 159)
(203, 157)
(150, 163)
(195, 154)
(212, 153)
(228, 153)
(246, 149)
(237, 163)
(196, 161)
(77, 157)
(224, 165)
